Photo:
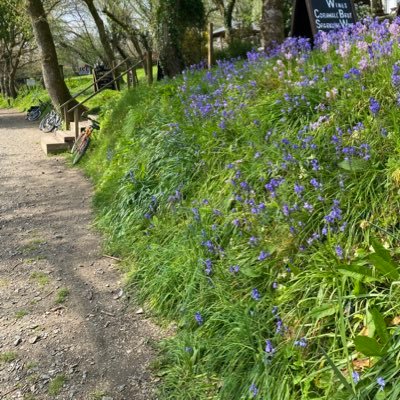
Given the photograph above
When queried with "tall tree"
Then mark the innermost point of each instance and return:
(53, 79)
(105, 40)
(174, 18)
(226, 8)
(15, 35)
(272, 23)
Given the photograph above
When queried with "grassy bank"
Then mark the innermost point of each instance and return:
(30, 96)
(257, 206)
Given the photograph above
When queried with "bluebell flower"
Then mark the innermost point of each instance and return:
(234, 269)
(381, 382)
(298, 189)
(255, 295)
(269, 348)
(339, 251)
(253, 241)
(208, 269)
(301, 342)
(374, 106)
(263, 255)
(198, 318)
(356, 377)
(253, 390)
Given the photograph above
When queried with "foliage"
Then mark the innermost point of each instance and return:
(257, 206)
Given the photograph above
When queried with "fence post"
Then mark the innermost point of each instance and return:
(66, 118)
(76, 122)
(128, 76)
(116, 82)
(150, 67)
(210, 45)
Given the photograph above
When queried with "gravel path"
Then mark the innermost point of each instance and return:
(66, 328)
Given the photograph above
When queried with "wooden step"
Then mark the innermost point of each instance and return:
(54, 143)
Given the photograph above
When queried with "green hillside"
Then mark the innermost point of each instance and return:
(256, 205)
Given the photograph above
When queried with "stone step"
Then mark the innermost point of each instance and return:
(54, 143)
(67, 136)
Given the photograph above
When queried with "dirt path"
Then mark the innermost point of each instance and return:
(66, 332)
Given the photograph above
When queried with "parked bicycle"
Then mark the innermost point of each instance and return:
(34, 112)
(82, 143)
(52, 121)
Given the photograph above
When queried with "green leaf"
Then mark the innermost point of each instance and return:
(252, 272)
(381, 251)
(358, 272)
(368, 346)
(353, 165)
(323, 311)
(336, 371)
(388, 269)
(380, 325)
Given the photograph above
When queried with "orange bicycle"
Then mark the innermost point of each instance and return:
(82, 143)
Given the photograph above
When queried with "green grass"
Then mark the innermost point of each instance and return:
(56, 384)
(20, 314)
(62, 295)
(28, 97)
(7, 357)
(41, 278)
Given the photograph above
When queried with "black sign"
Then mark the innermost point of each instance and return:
(312, 16)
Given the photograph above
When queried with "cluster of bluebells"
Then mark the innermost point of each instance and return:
(294, 184)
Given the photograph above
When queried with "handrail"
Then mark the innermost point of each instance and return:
(104, 87)
(96, 81)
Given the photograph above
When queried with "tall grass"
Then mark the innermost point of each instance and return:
(257, 206)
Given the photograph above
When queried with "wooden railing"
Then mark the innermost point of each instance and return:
(66, 111)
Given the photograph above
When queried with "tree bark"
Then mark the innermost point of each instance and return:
(102, 32)
(272, 23)
(53, 80)
(226, 11)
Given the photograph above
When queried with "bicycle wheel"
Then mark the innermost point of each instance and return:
(81, 150)
(49, 123)
(78, 142)
(34, 115)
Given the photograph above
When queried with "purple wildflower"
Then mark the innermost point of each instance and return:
(234, 269)
(253, 390)
(381, 382)
(269, 348)
(339, 251)
(301, 342)
(208, 264)
(298, 189)
(356, 377)
(374, 106)
(263, 255)
(255, 295)
(253, 241)
(198, 318)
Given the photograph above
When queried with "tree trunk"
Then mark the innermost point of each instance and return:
(377, 8)
(272, 23)
(102, 32)
(171, 60)
(53, 80)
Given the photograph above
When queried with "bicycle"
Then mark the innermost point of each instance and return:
(34, 112)
(52, 121)
(82, 143)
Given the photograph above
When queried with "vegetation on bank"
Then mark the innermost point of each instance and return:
(30, 96)
(257, 205)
